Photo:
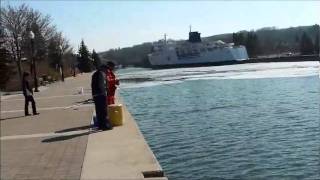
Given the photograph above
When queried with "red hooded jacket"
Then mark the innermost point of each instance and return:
(111, 86)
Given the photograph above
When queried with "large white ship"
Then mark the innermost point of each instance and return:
(194, 52)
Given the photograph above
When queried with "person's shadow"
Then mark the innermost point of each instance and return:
(65, 137)
(15, 117)
(87, 101)
(61, 137)
(75, 129)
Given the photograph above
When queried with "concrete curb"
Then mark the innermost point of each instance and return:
(121, 153)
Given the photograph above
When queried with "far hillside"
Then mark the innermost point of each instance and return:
(265, 41)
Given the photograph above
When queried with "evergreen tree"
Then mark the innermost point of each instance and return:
(306, 45)
(85, 63)
(235, 39)
(316, 44)
(252, 44)
(256, 44)
(242, 38)
(249, 44)
(96, 59)
(238, 39)
(297, 39)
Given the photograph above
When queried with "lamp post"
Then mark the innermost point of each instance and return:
(74, 65)
(33, 63)
(61, 63)
(74, 70)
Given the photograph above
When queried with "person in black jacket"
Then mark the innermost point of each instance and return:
(98, 86)
(28, 95)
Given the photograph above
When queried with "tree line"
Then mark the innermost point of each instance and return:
(254, 46)
(15, 41)
(51, 49)
(249, 40)
(307, 46)
(136, 55)
(87, 61)
(264, 41)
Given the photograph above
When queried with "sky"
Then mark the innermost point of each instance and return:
(113, 24)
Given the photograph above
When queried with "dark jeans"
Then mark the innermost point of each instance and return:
(101, 113)
(26, 105)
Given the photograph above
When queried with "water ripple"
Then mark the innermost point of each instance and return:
(232, 129)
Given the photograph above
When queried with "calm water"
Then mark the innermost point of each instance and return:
(227, 128)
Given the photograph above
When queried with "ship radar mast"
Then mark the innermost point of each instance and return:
(194, 37)
(165, 38)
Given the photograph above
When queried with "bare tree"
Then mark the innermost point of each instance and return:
(43, 30)
(54, 44)
(17, 22)
(14, 21)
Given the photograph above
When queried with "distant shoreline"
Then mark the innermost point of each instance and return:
(314, 57)
(251, 60)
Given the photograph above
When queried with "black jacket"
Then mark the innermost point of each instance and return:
(26, 87)
(98, 83)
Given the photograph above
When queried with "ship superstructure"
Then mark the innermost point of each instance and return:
(195, 52)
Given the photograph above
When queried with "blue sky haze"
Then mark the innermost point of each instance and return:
(112, 24)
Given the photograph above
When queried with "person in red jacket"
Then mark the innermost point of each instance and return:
(112, 83)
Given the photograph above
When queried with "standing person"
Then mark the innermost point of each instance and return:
(112, 82)
(98, 86)
(28, 95)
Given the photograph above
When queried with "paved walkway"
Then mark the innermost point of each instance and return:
(53, 145)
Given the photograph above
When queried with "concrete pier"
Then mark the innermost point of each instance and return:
(59, 143)
(121, 153)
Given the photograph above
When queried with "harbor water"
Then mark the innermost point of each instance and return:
(248, 121)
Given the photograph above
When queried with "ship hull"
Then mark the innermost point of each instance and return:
(219, 56)
(222, 63)
(298, 58)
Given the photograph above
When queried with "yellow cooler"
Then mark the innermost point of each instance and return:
(115, 114)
